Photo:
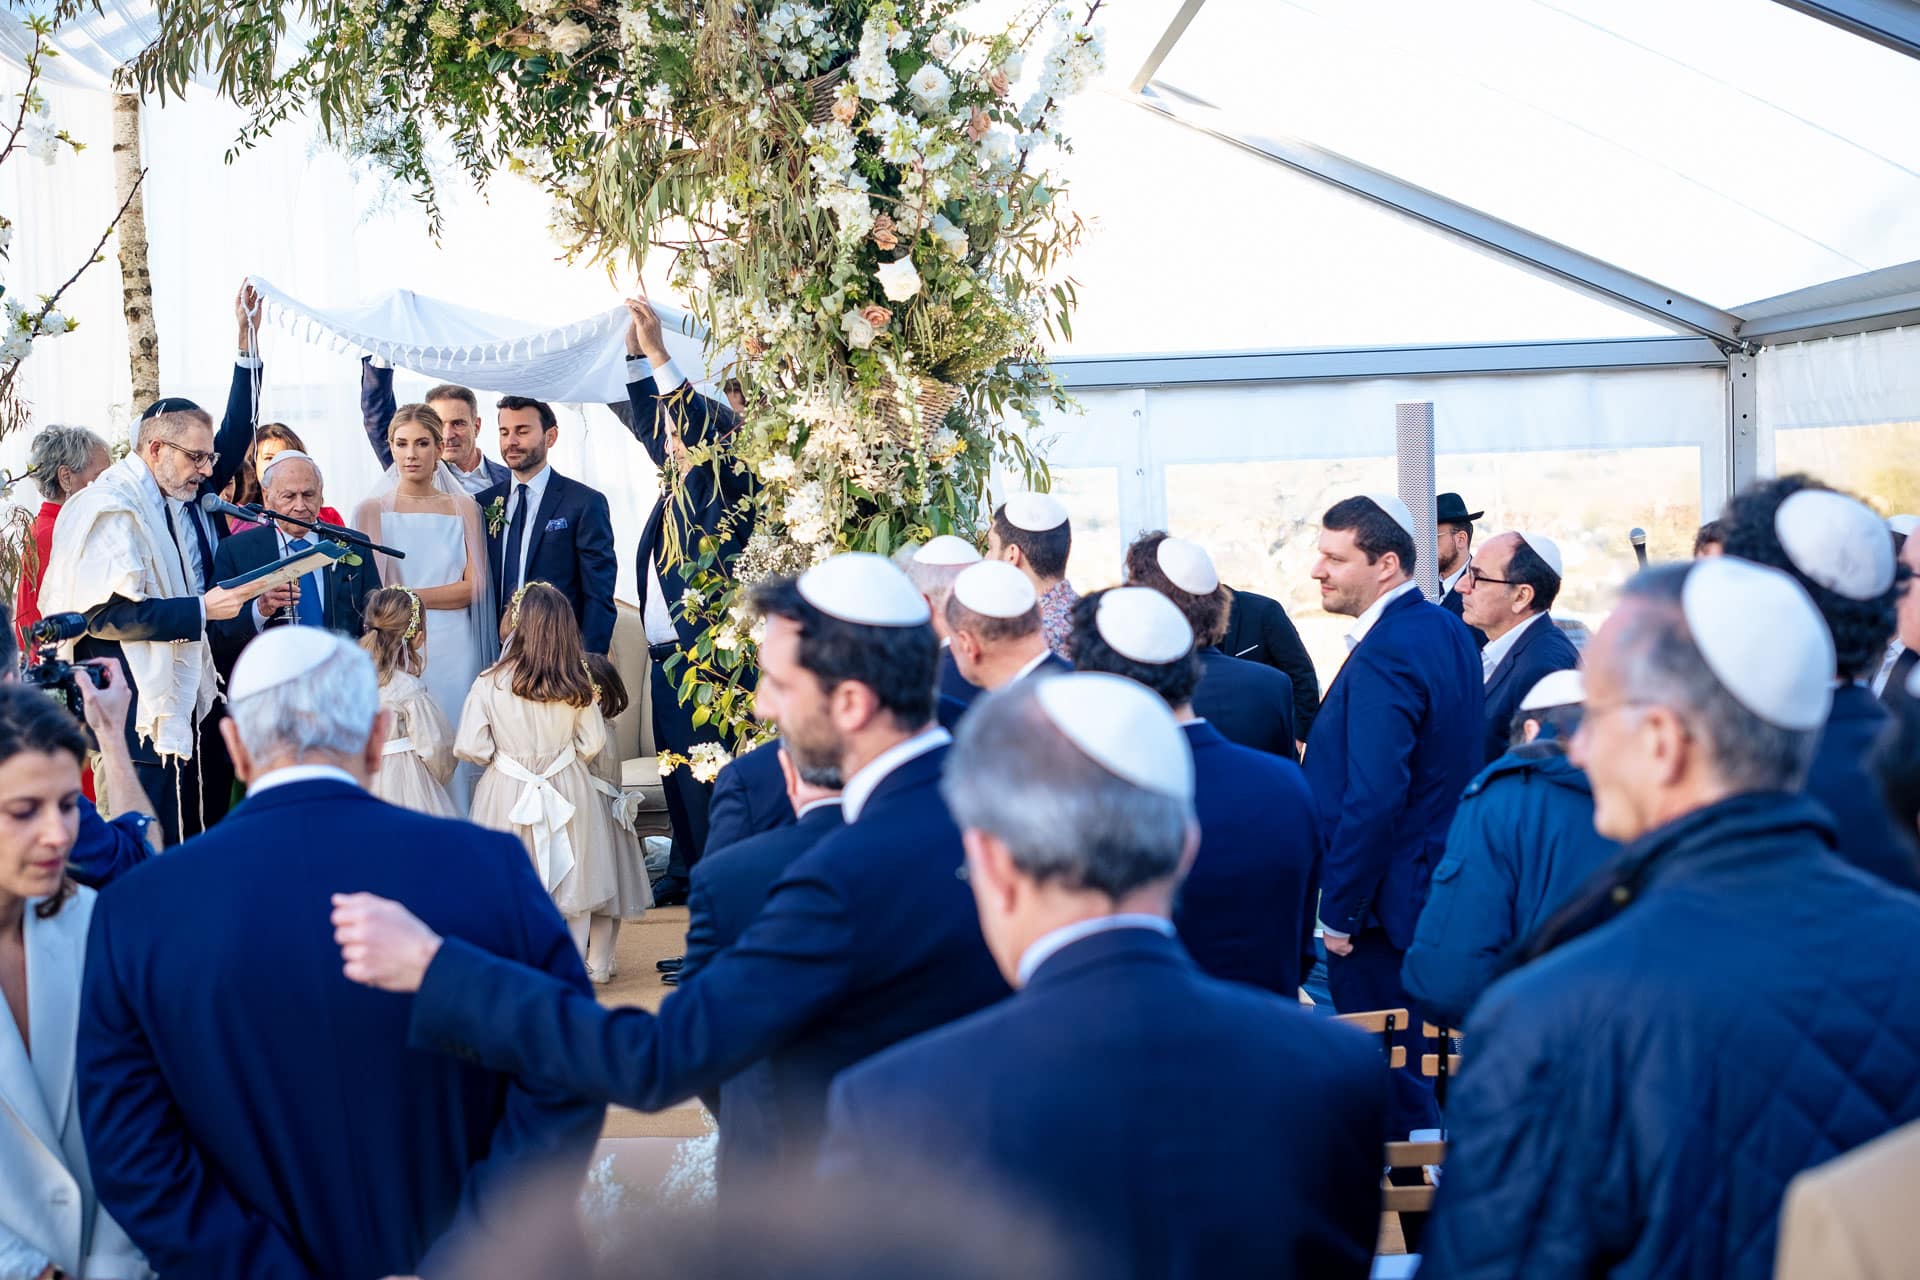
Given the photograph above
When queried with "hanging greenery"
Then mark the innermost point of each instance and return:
(853, 191)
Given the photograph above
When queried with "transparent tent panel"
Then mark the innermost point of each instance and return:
(1731, 149)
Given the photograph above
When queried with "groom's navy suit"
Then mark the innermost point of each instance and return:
(569, 547)
(249, 1112)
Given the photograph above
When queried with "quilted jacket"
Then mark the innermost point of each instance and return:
(1635, 1101)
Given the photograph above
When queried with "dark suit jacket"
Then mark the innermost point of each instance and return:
(1397, 742)
(345, 587)
(1541, 648)
(376, 415)
(951, 683)
(249, 1112)
(1456, 606)
(749, 796)
(728, 888)
(569, 546)
(1248, 702)
(714, 492)
(1059, 1099)
(869, 939)
(1842, 781)
(1259, 630)
(1245, 910)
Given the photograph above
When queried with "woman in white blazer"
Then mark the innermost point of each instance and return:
(51, 1224)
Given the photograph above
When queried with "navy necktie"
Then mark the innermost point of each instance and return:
(310, 611)
(516, 534)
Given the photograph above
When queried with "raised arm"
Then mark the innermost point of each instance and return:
(376, 407)
(242, 418)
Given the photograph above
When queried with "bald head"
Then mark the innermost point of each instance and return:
(292, 486)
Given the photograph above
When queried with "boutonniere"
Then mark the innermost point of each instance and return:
(496, 516)
(352, 559)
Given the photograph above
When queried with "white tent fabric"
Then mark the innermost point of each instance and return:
(579, 363)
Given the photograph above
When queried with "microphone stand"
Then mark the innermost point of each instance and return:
(352, 537)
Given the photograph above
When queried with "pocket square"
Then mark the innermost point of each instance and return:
(556, 524)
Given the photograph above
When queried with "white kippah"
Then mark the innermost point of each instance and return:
(860, 587)
(1760, 635)
(1391, 504)
(1837, 541)
(1121, 726)
(1188, 566)
(1903, 525)
(287, 455)
(1547, 549)
(1034, 512)
(1142, 624)
(947, 549)
(995, 589)
(1564, 688)
(277, 655)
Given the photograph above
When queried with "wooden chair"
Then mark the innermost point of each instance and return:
(1440, 1067)
(1383, 1023)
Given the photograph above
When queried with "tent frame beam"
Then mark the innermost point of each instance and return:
(1164, 45)
(1893, 24)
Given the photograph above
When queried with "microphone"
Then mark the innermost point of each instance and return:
(213, 503)
(1639, 539)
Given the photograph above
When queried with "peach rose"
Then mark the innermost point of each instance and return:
(883, 232)
(978, 125)
(845, 109)
(877, 316)
(999, 83)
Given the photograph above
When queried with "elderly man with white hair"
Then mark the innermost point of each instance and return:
(250, 1112)
(1725, 1004)
(1075, 798)
(333, 596)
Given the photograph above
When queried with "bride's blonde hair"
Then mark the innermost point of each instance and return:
(419, 415)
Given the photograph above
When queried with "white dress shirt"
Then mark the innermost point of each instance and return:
(1033, 666)
(811, 805)
(655, 615)
(1051, 944)
(1364, 623)
(860, 786)
(1447, 583)
(536, 490)
(1497, 650)
(299, 773)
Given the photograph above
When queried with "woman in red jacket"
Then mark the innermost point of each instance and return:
(62, 462)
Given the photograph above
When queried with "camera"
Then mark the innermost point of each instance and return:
(53, 673)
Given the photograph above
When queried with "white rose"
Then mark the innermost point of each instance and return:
(859, 333)
(941, 46)
(569, 37)
(1013, 63)
(953, 239)
(898, 280)
(930, 88)
(998, 148)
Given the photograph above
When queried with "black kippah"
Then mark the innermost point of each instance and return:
(170, 404)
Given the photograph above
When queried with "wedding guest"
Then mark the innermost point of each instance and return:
(1031, 532)
(1075, 797)
(269, 442)
(249, 1113)
(532, 722)
(1837, 549)
(1508, 591)
(710, 501)
(1903, 654)
(1710, 540)
(458, 410)
(51, 1221)
(1522, 842)
(933, 569)
(62, 462)
(749, 797)
(1453, 526)
(1248, 703)
(1397, 742)
(417, 758)
(993, 627)
(632, 890)
(869, 939)
(1602, 1130)
(1245, 909)
(1259, 630)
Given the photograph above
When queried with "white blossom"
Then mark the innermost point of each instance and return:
(999, 148)
(871, 71)
(636, 25)
(53, 322)
(860, 333)
(953, 239)
(778, 468)
(659, 98)
(931, 88)
(898, 280)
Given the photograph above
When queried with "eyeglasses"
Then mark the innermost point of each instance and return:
(197, 457)
(1473, 578)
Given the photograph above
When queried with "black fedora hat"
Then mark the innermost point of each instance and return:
(1452, 509)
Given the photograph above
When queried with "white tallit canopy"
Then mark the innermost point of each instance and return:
(583, 362)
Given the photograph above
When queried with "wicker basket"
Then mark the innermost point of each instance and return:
(936, 399)
(817, 93)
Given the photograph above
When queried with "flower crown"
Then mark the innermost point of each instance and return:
(591, 682)
(413, 623)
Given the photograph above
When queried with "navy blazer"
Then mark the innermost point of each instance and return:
(717, 499)
(1842, 782)
(728, 887)
(569, 546)
(1248, 702)
(1541, 649)
(105, 849)
(1259, 630)
(749, 796)
(1397, 742)
(1063, 1100)
(1245, 910)
(951, 683)
(344, 587)
(869, 939)
(249, 1112)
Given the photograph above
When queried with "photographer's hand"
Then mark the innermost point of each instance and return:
(107, 716)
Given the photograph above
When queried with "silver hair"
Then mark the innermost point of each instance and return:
(1014, 775)
(168, 426)
(319, 477)
(1660, 664)
(330, 709)
(57, 447)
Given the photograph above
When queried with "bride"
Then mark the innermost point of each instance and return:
(429, 516)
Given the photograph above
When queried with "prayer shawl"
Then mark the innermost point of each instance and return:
(112, 540)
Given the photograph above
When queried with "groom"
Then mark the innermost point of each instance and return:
(544, 527)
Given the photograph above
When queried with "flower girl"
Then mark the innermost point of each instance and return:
(633, 891)
(532, 723)
(419, 751)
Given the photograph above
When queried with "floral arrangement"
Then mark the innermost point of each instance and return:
(855, 191)
(704, 761)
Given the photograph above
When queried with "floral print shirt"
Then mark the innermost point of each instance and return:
(1056, 616)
